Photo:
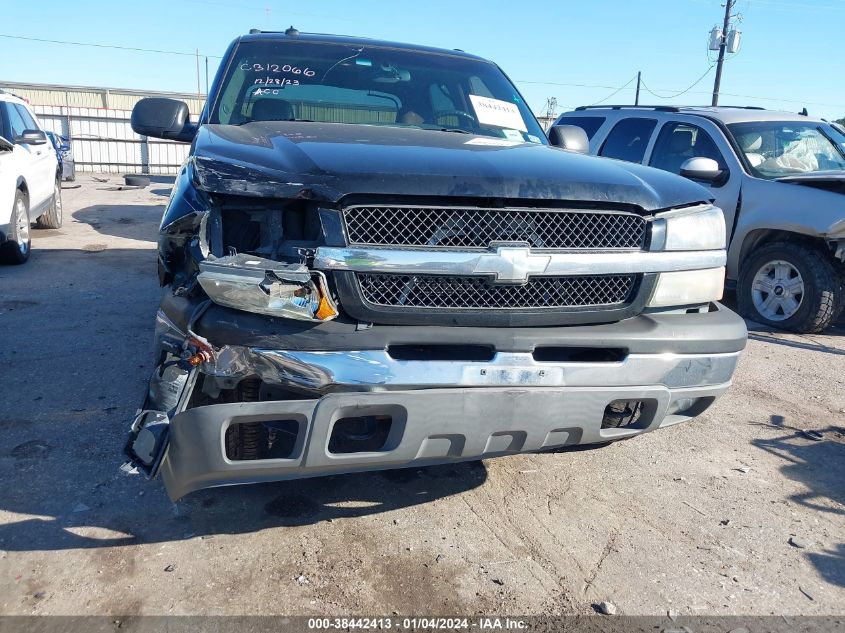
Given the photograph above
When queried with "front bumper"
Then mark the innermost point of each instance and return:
(440, 410)
(430, 427)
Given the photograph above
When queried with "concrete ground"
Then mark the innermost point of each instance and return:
(738, 512)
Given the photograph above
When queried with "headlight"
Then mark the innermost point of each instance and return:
(694, 229)
(260, 285)
(688, 287)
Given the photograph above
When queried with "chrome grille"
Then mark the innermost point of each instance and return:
(478, 228)
(450, 292)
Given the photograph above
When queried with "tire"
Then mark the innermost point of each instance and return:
(791, 286)
(52, 217)
(18, 243)
(137, 181)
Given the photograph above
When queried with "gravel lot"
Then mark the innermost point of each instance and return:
(739, 512)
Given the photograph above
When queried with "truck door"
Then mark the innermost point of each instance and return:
(679, 141)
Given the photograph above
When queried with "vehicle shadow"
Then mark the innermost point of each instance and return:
(807, 343)
(760, 332)
(77, 330)
(816, 459)
(136, 221)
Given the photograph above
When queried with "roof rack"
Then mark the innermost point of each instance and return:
(665, 108)
(291, 30)
(632, 107)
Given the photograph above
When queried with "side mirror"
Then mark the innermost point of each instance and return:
(163, 118)
(570, 137)
(705, 169)
(6, 145)
(32, 137)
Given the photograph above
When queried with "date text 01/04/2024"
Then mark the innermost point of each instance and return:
(446, 624)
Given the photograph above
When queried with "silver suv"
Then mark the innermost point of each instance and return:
(780, 180)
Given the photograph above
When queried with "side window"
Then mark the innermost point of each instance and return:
(16, 122)
(678, 142)
(590, 124)
(628, 140)
(28, 121)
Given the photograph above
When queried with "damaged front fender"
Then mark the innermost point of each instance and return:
(181, 241)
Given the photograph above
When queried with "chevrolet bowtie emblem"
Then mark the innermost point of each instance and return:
(511, 264)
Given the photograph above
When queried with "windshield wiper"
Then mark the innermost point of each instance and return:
(276, 121)
(456, 130)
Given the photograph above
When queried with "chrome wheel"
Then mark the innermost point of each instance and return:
(22, 225)
(777, 290)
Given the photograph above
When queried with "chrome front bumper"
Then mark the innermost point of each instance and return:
(376, 370)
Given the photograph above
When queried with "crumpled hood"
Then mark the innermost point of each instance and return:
(326, 161)
(833, 181)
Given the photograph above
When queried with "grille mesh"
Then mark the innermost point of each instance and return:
(478, 228)
(445, 292)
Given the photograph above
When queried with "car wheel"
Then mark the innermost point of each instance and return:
(18, 245)
(52, 217)
(791, 286)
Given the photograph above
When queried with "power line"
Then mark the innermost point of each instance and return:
(112, 46)
(681, 92)
(617, 91)
(566, 85)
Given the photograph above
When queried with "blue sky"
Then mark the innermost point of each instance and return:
(791, 51)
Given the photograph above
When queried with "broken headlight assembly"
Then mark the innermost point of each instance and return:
(255, 284)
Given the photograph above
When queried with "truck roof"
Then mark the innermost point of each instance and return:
(294, 35)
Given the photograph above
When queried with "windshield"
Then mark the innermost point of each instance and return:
(776, 149)
(342, 83)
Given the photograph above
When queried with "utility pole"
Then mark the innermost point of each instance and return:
(551, 110)
(637, 98)
(729, 4)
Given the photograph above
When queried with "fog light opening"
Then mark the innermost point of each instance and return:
(363, 434)
(623, 414)
(271, 439)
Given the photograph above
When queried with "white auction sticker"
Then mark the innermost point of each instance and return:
(497, 113)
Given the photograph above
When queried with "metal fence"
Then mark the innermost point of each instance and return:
(103, 141)
(96, 120)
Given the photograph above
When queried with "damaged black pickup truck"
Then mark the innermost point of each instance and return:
(375, 259)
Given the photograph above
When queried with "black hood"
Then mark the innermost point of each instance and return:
(828, 180)
(327, 161)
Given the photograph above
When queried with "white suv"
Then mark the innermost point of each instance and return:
(30, 182)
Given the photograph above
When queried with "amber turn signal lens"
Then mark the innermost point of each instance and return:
(325, 310)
